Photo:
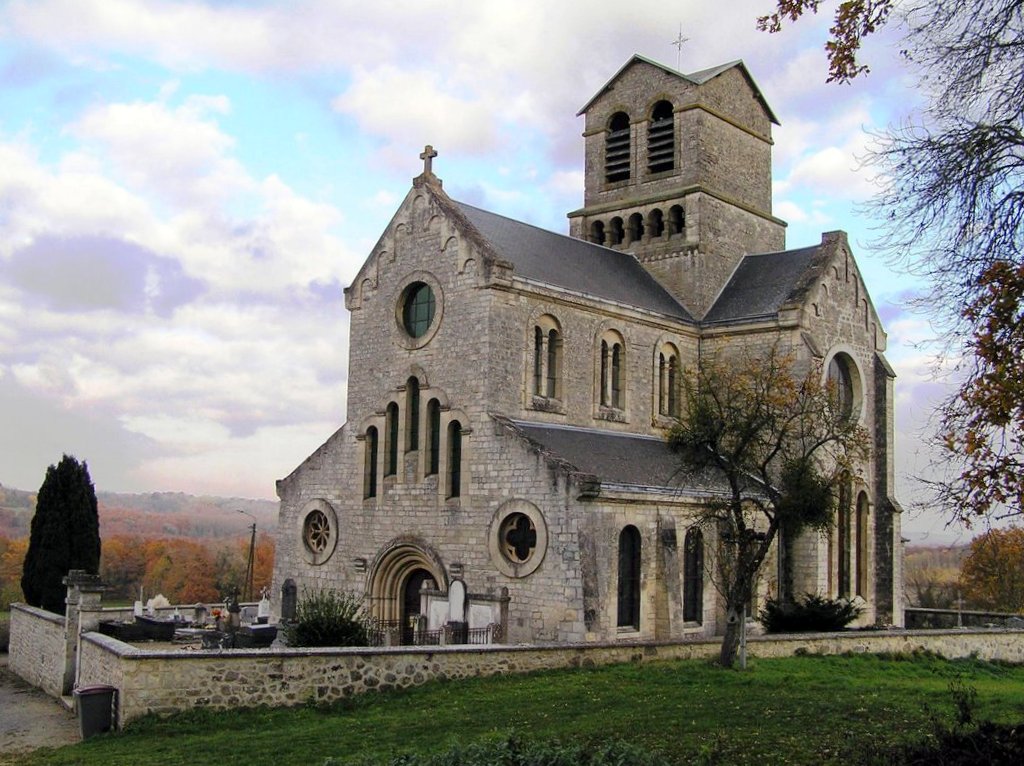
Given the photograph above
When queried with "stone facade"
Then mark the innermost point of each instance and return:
(504, 381)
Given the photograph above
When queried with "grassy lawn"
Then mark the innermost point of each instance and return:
(800, 710)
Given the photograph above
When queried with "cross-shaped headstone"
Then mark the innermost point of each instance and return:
(521, 538)
(427, 156)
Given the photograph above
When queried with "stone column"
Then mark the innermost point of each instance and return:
(83, 610)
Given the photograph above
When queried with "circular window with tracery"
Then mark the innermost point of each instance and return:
(518, 538)
(318, 531)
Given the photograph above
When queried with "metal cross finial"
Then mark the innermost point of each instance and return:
(678, 42)
(427, 156)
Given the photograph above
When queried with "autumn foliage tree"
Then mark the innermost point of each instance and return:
(184, 571)
(992, 575)
(951, 207)
(782, 443)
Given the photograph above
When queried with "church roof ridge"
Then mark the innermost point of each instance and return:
(570, 263)
(699, 77)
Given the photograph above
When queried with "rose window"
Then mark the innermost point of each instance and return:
(316, 532)
(518, 537)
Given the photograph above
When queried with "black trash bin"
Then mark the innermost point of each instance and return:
(95, 708)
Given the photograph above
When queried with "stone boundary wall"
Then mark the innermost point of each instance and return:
(167, 681)
(38, 648)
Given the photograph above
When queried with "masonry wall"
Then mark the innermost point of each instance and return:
(163, 682)
(38, 649)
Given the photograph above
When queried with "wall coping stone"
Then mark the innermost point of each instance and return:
(57, 619)
(131, 652)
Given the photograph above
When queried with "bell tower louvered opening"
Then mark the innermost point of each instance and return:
(661, 143)
(617, 149)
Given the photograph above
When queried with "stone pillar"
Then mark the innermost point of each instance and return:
(82, 613)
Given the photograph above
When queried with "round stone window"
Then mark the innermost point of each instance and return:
(318, 531)
(518, 538)
(418, 306)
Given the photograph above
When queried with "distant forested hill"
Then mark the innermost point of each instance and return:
(155, 514)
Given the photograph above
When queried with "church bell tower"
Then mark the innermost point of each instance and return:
(678, 173)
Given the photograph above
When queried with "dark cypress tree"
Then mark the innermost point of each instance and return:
(65, 534)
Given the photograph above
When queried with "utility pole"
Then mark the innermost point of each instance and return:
(249, 566)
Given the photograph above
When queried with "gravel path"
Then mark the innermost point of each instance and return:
(29, 718)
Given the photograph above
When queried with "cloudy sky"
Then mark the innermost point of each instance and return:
(187, 187)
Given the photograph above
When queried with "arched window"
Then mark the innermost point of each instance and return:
(636, 227)
(433, 436)
(668, 381)
(370, 466)
(843, 382)
(661, 144)
(617, 149)
(547, 358)
(554, 363)
(861, 545)
(629, 578)
(676, 220)
(613, 365)
(656, 223)
(693, 576)
(597, 232)
(538, 361)
(843, 538)
(412, 414)
(615, 232)
(454, 459)
(391, 440)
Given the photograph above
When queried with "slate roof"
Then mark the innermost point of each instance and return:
(573, 264)
(611, 457)
(763, 284)
(698, 78)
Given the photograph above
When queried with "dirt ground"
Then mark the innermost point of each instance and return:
(30, 719)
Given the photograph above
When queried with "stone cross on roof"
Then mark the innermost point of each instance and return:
(427, 156)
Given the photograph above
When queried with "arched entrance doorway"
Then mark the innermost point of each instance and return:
(411, 601)
(395, 583)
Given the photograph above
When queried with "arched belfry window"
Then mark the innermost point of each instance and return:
(412, 414)
(454, 459)
(676, 220)
(661, 143)
(597, 232)
(615, 231)
(547, 358)
(636, 227)
(693, 576)
(391, 440)
(613, 367)
(656, 223)
(370, 465)
(617, 148)
(433, 436)
(629, 578)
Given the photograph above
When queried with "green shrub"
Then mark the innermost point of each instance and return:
(515, 751)
(5, 631)
(812, 614)
(328, 618)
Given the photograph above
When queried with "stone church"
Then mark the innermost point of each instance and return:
(503, 474)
